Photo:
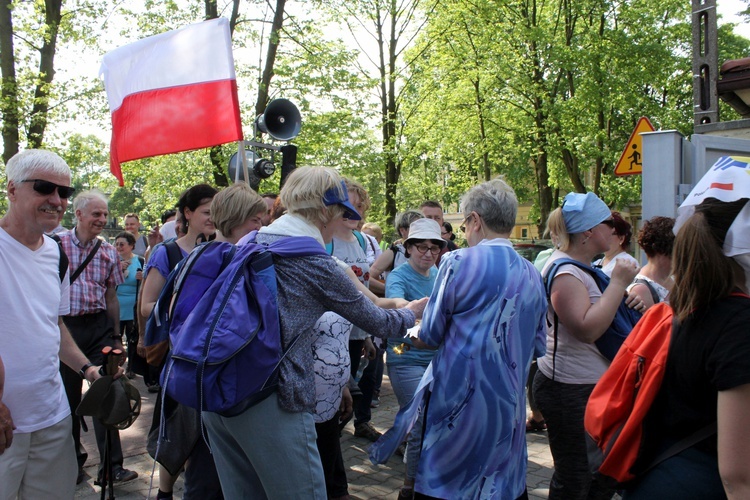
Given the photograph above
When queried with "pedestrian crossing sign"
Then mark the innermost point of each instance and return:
(631, 160)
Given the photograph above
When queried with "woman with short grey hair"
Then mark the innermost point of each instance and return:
(269, 450)
(486, 318)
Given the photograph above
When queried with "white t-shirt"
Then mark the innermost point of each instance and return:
(576, 362)
(611, 264)
(372, 248)
(352, 253)
(31, 299)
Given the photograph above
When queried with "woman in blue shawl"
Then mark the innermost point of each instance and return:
(486, 315)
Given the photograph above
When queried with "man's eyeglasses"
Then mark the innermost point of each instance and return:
(424, 249)
(47, 188)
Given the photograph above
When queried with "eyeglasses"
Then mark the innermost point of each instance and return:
(609, 222)
(424, 249)
(47, 188)
(463, 223)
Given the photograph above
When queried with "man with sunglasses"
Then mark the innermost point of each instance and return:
(94, 318)
(37, 457)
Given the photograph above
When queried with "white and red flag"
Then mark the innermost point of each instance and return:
(172, 92)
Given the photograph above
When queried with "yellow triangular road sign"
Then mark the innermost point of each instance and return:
(631, 160)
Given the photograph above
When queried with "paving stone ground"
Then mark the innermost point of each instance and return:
(366, 481)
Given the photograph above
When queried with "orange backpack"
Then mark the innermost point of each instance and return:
(622, 397)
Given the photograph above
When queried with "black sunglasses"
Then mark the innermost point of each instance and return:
(47, 188)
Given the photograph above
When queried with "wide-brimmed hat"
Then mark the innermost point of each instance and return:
(425, 229)
(116, 403)
(333, 197)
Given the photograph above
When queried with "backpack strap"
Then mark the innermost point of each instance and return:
(654, 294)
(361, 240)
(372, 245)
(64, 262)
(85, 263)
(394, 248)
(548, 277)
(682, 445)
(174, 254)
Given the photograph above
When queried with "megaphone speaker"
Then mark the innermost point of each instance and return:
(281, 120)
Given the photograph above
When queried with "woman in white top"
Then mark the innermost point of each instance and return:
(572, 365)
(619, 244)
(654, 282)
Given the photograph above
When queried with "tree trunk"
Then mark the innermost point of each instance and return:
(571, 166)
(487, 169)
(39, 111)
(273, 46)
(9, 102)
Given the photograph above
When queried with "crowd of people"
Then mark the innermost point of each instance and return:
(457, 331)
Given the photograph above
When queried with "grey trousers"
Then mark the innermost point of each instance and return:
(563, 407)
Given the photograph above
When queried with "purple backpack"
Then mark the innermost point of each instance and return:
(225, 355)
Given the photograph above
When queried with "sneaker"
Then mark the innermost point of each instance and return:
(154, 388)
(375, 403)
(367, 431)
(122, 475)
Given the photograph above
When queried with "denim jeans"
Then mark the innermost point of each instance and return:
(404, 380)
(266, 452)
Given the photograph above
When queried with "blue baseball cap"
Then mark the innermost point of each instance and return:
(581, 212)
(333, 197)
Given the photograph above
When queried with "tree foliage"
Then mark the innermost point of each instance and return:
(417, 99)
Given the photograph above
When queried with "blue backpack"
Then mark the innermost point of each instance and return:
(624, 321)
(226, 354)
(164, 315)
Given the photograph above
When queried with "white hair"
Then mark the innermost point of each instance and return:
(32, 161)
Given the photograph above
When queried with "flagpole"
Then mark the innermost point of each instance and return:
(243, 162)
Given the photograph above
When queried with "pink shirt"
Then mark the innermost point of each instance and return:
(87, 293)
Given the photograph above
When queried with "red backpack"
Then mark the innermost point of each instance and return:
(622, 397)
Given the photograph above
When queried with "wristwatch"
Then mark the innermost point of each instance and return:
(82, 371)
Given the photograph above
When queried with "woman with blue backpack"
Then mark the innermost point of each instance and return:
(579, 313)
(269, 449)
(194, 206)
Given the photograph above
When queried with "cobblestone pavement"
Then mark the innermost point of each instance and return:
(366, 481)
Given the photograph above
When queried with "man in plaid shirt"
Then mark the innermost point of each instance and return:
(94, 319)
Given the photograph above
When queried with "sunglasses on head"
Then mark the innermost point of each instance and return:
(47, 188)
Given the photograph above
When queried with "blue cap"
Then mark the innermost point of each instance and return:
(582, 212)
(333, 197)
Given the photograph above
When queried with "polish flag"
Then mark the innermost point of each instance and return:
(172, 92)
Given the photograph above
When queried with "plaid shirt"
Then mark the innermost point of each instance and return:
(87, 293)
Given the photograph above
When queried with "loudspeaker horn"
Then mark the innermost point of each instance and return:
(257, 168)
(281, 120)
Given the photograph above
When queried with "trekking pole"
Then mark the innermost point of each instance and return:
(113, 365)
(107, 472)
(110, 365)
